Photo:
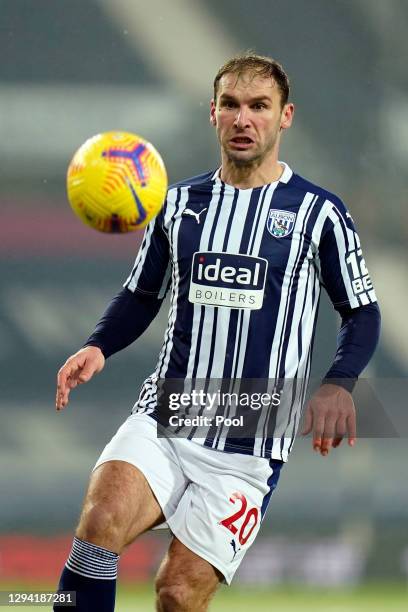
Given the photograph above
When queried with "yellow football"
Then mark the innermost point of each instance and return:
(116, 182)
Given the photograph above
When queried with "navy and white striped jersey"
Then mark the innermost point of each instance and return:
(245, 267)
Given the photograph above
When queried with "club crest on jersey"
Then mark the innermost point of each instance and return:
(280, 223)
(227, 279)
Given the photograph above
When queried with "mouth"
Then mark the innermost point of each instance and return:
(241, 142)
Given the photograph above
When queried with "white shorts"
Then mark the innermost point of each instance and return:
(213, 501)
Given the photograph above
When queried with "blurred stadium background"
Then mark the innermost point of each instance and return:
(72, 68)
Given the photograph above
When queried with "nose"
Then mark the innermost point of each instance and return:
(241, 118)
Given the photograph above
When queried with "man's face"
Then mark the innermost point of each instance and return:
(248, 117)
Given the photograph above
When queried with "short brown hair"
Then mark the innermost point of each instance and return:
(260, 65)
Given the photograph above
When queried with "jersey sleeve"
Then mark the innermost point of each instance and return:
(151, 272)
(356, 342)
(343, 271)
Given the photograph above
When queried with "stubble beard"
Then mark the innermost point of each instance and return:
(250, 162)
(240, 162)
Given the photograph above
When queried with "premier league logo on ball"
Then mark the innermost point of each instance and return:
(280, 223)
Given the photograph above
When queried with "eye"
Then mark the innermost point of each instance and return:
(259, 106)
(228, 104)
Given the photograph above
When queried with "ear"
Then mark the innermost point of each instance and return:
(287, 116)
(213, 118)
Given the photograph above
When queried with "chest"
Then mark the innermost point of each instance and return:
(235, 228)
(236, 249)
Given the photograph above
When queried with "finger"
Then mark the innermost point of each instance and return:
(341, 429)
(86, 373)
(78, 377)
(308, 424)
(317, 443)
(63, 384)
(72, 383)
(352, 429)
(66, 372)
(318, 430)
(62, 398)
(326, 445)
(61, 395)
(68, 369)
(328, 435)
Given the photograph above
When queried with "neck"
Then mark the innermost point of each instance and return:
(250, 176)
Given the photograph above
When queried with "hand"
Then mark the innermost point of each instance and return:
(78, 368)
(330, 414)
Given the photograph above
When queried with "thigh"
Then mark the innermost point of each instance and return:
(119, 504)
(136, 483)
(137, 443)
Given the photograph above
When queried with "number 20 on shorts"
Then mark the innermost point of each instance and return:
(250, 520)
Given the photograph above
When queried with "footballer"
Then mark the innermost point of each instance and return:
(244, 250)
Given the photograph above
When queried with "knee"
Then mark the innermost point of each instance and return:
(103, 524)
(181, 595)
(176, 597)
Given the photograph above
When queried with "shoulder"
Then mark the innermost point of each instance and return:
(324, 196)
(325, 211)
(195, 181)
(196, 187)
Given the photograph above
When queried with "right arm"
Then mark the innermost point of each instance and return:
(127, 316)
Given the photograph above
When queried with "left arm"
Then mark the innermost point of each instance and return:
(356, 342)
(330, 413)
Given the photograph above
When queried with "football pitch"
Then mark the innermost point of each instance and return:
(235, 599)
(368, 598)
